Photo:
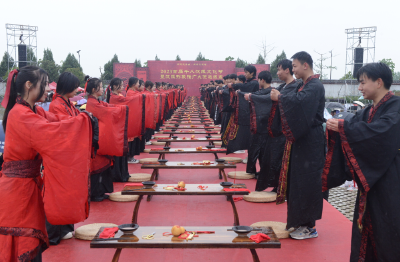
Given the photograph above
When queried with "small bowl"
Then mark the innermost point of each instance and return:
(128, 229)
(206, 125)
(226, 184)
(242, 231)
(174, 137)
(167, 148)
(148, 184)
(176, 125)
(220, 161)
(208, 136)
(210, 146)
(162, 161)
(173, 130)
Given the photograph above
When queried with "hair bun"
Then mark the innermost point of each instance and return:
(87, 77)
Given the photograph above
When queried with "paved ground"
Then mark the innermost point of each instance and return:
(343, 200)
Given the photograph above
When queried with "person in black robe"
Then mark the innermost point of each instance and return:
(226, 108)
(302, 115)
(369, 144)
(259, 132)
(237, 134)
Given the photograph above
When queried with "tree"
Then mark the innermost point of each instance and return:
(5, 65)
(157, 59)
(389, 63)
(349, 75)
(145, 64)
(178, 58)
(108, 68)
(229, 58)
(200, 57)
(78, 73)
(70, 62)
(273, 68)
(48, 64)
(265, 49)
(138, 63)
(241, 63)
(396, 76)
(260, 60)
(30, 56)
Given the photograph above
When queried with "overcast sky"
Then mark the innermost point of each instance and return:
(141, 29)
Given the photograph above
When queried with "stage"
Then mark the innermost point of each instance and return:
(334, 229)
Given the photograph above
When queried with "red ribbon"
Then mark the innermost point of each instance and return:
(202, 187)
(8, 87)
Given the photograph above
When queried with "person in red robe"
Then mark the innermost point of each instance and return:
(113, 140)
(34, 137)
(151, 111)
(134, 89)
(135, 104)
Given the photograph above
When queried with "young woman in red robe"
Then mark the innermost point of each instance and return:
(35, 137)
(113, 135)
(136, 146)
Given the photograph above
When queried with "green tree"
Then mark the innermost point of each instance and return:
(5, 65)
(48, 64)
(273, 68)
(157, 59)
(78, 73)
(145, 64)
(389, 63)
(178, 58)
(70, 62)
(396, 76)
(200, 57)
(260, 60)
(229, 58)
(241, 63)
(349, 75)
(108, 68)
(138, 63)
(30, 56)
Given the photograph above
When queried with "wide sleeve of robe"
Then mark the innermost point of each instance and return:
(260, 110)
(113, 127)
(298, 110)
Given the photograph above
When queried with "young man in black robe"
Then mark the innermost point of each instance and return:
(369, 144)
(237, 134)
(266, 113)
(259, 134)
(302, 115)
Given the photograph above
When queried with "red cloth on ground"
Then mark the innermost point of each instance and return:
(108, 232)
(236, 189)
(236, 199)
(260, 237)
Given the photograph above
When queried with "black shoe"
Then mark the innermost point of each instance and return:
(106, 197)
(97, 199)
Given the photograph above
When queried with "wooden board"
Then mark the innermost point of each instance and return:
(188, 165)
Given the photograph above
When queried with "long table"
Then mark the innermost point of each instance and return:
(210, 141)
(222, 238)
(192, 190)
(162, 152)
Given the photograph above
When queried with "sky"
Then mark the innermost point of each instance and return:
(218, 29)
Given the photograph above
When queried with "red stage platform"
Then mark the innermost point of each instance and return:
(334, 229)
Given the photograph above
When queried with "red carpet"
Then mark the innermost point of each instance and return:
(333, 243)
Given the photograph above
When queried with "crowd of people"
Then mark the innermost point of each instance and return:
(283, 128)
(55, 162)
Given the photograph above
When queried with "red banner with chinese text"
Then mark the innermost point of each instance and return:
(124, 71)
(191, 74)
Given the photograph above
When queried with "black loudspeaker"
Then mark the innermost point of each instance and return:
(22, 55)
(358, 60)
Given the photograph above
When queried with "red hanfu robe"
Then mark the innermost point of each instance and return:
(150, 107)
(135, 104)
(113, 126)
(30, 139)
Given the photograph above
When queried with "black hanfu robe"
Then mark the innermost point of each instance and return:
(259, 132)
(302, 115)
(237, 134)
(267, 118)
(369, 144)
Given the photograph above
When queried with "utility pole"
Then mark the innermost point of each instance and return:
(101, 74)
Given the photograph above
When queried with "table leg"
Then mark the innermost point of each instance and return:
(219, 174)
(153, 175)
(223, 173)
(136, 210)
(216, 156)
(160, 156)
(116, 255)
(255, 256)
(235, 213)
(163, 156)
